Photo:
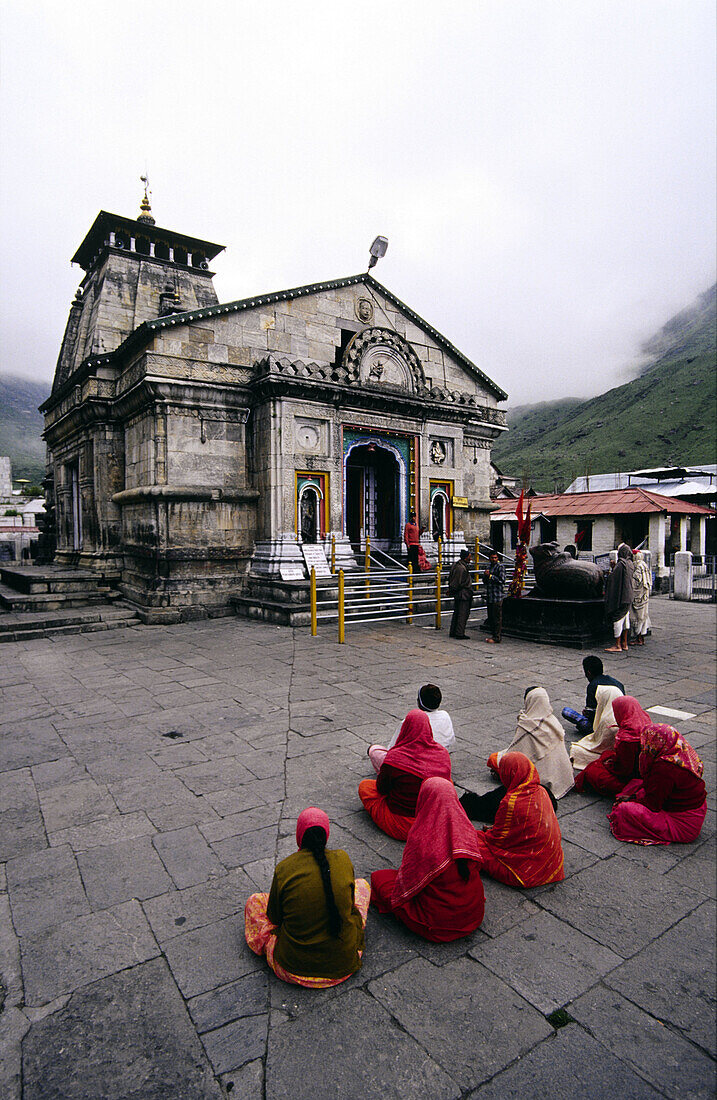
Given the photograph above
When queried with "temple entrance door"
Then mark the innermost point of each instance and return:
(309, 515)
(354, 502)
(372, 496)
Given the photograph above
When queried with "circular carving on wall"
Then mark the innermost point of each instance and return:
(308, 437)
(364, 310)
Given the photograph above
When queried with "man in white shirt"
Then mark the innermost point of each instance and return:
(429, 700)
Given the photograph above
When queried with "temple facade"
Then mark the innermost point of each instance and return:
(196, 445)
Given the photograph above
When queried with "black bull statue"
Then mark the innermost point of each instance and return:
(560, 576)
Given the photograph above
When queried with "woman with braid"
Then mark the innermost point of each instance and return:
(310, 926)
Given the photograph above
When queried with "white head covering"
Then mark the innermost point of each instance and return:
(602, 737)
(540, 736)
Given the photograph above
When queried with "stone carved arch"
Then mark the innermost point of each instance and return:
(380, 356)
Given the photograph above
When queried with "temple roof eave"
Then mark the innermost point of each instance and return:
(146, 331)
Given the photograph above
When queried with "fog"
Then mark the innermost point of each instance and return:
(544, 171)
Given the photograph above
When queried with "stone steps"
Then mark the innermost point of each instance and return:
(44, 579)
(28, 625)
(39, 601)
(18, 602)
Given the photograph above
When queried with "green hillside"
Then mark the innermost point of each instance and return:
(21, 426)
(667, 415)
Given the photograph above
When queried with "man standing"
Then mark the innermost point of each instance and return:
(412, 539)
(619, 594)
(494, 577)
(460, 586)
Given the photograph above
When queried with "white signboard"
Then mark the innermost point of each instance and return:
(292, 572)
(315, 557)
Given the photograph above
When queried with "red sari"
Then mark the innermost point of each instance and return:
(414, 754)
(523, 847)
(667, 804)
(428, 893)
(616, 767)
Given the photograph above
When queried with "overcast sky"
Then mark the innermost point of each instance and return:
(544, 171)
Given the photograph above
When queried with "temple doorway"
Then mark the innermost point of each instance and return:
(372, 496)
(309, 514)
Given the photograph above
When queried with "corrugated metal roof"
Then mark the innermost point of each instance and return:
(613, 502)
(654, 480)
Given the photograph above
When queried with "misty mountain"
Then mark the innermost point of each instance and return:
(21, 426)
(690, 332)
(665, 415)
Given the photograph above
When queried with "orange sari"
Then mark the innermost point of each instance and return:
(523, 847)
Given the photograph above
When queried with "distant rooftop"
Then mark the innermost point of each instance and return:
(615, 502)
(673, 481)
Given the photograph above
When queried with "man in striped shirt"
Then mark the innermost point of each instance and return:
(494, 577)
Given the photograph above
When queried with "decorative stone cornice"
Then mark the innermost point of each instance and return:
(277, 371)
(184, 493)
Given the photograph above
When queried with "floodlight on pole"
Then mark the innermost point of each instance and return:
(378, 249)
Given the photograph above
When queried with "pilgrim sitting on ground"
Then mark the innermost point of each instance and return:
(429, 700)
(667, 804)
(311, 924)
(437, 891)
(541, 738)
(596, 676)
(523, 847)
(591, 747)
(615, 767)
(391, 798)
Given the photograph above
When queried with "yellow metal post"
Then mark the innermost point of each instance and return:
(409, 617)
(333, 553)
(476, 552)
(367, 567)
(440, 553)
(342, 633)
(313, 602)
(438, 597)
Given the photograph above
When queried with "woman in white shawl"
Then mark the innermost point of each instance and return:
(540, 737)
(583, 752)
(641, 586)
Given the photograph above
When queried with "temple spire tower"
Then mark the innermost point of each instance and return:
(134, 271)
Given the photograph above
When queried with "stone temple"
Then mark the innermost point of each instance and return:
(198, 448)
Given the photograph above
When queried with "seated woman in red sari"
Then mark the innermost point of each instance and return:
(523, 847)
(310, 927)
(437, 891)
(391, 798)
(668, 802)
(616, 767)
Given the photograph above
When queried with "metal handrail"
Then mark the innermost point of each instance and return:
(388, 596)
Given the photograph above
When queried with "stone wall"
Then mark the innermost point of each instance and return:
(311, 328)
(603, 532)
(139, 451)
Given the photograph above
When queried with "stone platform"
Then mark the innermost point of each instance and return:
(577, 624)
(149, 780)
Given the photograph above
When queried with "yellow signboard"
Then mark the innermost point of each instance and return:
(460, 502)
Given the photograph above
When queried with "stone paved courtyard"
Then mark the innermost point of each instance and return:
(151, 777)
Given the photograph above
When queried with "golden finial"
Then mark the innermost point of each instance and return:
(145, 207)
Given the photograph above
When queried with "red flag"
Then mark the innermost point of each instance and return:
(519, 511)
(524, 534)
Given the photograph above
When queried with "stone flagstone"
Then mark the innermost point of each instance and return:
(166, 836)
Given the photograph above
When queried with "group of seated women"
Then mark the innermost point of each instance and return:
(310, 926)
